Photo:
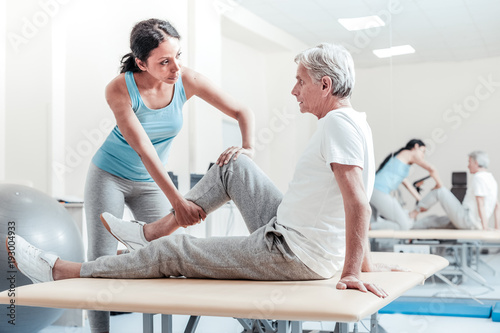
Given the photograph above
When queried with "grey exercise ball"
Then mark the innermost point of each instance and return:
(45, 223)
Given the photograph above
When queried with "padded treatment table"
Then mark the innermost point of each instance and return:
(288, 302)
(460, 240)
(489, 236)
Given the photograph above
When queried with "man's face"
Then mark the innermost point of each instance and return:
(308, 92)
(473, 166)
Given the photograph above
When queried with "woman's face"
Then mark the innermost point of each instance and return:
(164, 62)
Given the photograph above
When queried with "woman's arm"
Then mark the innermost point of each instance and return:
(199, 85)
(119, 101)
(420, 161)
(412, 190)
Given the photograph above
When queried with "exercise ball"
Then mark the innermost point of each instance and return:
(46, 224)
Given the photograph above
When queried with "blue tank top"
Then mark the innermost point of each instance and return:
(161, 125)
(391, 175)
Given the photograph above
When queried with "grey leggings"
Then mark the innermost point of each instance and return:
(263, 255)
(105, 192)
(394, 216)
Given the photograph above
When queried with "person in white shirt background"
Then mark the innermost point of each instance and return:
(479, 205)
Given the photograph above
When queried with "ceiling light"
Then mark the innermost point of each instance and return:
(394, 51)
(360, 23)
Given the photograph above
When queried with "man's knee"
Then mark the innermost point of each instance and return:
(242, 162)
(443, 193)
(434, 196)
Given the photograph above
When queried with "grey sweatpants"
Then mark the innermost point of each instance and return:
(455, 212)
(263, 255)
(105, 192)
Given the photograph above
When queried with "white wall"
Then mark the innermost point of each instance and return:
(28, 93)
(244, 77)
(425, 100)
(205, 122)
(292, 129)
(57, 116)
(258, 69)
(3, 23)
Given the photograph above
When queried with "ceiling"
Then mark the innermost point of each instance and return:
(439, 30)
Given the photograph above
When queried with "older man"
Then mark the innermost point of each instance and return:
(316, 229)
(479, 205)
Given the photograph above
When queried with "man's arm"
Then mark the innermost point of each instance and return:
(496, 213)
(357, 212)
(482, 212)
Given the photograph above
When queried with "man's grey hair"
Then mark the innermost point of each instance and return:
(333, 61)
(481, 158)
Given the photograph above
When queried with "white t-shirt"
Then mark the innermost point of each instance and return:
(311, 216)
(482, 185)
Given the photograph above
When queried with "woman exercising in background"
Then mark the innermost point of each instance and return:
(391, 173)
(129, 168)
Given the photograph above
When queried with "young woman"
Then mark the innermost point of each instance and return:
(129, 168)
(391, 173)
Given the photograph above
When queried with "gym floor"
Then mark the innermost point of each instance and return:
(490, 270)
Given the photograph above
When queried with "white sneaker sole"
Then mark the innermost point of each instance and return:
(108, 228)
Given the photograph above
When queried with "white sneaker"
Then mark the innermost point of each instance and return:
(36, 264)
(129, 233)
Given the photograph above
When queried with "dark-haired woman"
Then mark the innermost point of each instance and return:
(387, 211)
(146, 100)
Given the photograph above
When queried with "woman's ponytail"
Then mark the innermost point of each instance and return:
(128, 64)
